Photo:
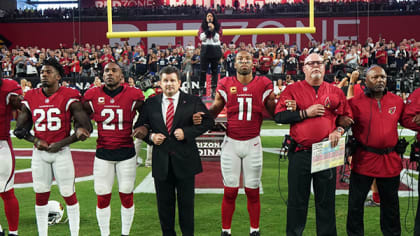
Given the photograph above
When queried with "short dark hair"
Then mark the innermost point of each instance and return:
(170, 70)
(54, 63)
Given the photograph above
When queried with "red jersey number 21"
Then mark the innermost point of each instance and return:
(242, 103)
(110, 114)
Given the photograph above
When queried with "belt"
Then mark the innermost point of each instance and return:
(300, 148)
(380, 151)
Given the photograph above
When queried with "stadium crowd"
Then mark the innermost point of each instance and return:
(278, 61)
(268, 9)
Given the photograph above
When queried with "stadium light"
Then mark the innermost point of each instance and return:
(249, 31)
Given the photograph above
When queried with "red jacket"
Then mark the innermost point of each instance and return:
(376, 126)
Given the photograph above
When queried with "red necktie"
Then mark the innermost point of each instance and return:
(170, 114)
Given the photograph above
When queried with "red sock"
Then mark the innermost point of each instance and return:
(254, 206)
(70, 201)
(104, 200)
(11, 208)
(126, 199)
(41, 199)
(376, 198)
(228, 206)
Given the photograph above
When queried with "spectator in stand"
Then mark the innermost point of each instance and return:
(195, 61)
(292, 63)
(31, 63)
(6, 67)
(162, 61)
(265, 63)
(19, 62)
(96, 65)
(381, 56)
(175, 59)
(364, 57)
(230, 60)
(302, 57)
(106, 58)
(153, 63)
(210, 34)
(140, 62)
(402, 57)
(86, 66)
(278, 69)
(75, 67)
(65, 62)
(352, 60)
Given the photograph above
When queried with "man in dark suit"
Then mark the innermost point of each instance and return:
(176, 160)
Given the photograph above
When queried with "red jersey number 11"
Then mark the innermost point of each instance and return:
(242, 102)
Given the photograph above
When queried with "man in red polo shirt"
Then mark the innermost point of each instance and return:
(381, 56)
(318, 105)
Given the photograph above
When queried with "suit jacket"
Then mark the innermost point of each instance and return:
(184, 155)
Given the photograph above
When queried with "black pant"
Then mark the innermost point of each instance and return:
(204, 63)
(417, 221)
(166, 199)
(390, 208)
(299, 180)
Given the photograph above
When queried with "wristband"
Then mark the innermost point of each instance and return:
(351, 83)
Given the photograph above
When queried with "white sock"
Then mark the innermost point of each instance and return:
(103, 216)
(1, 229)
(13, 232)
(254, 229)
(226, 230)
(41, 213)
(127, 216)
(73, 213)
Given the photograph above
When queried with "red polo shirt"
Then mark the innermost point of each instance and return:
(313, 130)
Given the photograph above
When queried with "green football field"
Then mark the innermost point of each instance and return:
(207, 206)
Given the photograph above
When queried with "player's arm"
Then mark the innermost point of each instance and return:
(140, 130)
(286, 111)
(82, 125)
(217, 106)
(193, 131)
(24, 126)
(141, 126)
(270, 104)
(81, 121)
(16, 101)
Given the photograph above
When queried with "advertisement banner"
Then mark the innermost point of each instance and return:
(50, 35)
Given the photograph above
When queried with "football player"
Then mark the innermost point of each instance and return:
(113, 106)
(245, 98)
(50, 109)
(10, 97)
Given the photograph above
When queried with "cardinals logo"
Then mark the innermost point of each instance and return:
(327, 102)
(392, 110)
(233, 90)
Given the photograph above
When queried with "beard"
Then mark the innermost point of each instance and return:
(316, 76)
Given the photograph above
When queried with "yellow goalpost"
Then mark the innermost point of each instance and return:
(174, 33)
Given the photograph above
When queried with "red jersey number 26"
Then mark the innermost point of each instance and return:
(242, 112)
(53, 123)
